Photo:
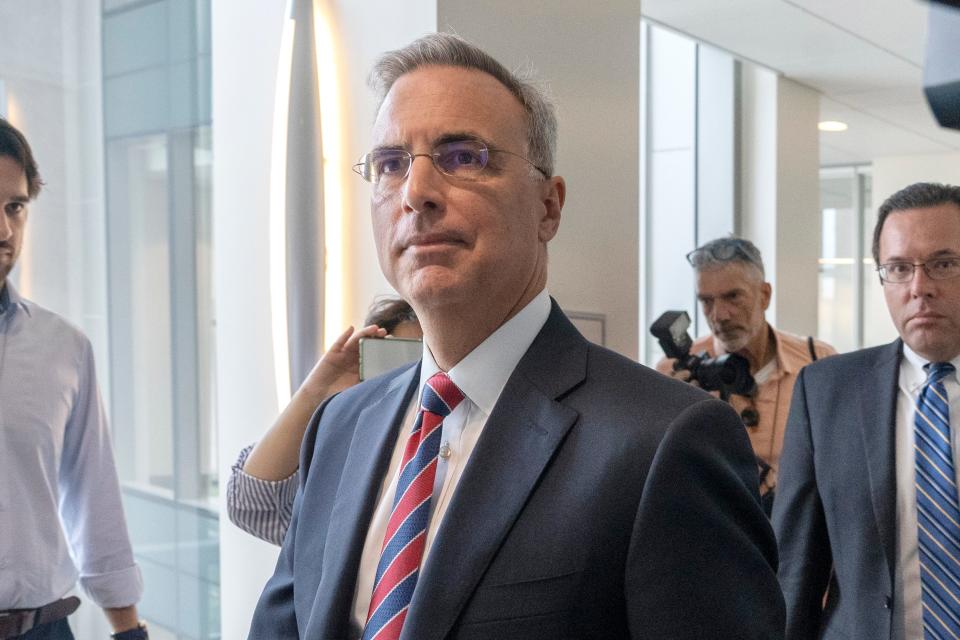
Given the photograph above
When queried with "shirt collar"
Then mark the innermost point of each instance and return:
(786, 364)
(483, 373)
(913, 375)
(10, 298)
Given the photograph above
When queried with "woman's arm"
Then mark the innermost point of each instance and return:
(275, 457)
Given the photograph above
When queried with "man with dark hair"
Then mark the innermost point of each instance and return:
(62, 518)
(519, 482)
(734, 296)
(867, 515)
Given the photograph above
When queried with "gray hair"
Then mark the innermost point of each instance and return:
(444, 49)
(723, 251)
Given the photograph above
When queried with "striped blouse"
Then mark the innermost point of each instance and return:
(262, 508)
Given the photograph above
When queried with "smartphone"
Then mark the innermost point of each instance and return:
(379, 355)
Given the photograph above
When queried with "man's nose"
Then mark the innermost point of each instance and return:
(6, 229)
(720, 310)
(922, 285)
(422, 190)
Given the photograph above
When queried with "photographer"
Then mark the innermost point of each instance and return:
(734, 296)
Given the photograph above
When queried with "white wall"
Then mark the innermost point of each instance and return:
(892, 173)
(780, 194)
(795, 258)
(670, 218)
(590, 55)
(246, 41)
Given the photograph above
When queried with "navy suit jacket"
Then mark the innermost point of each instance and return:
(602, 500)
(835, 512)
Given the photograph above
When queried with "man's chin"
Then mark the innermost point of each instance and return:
(733, 344)
(433, 287)
(933, 345)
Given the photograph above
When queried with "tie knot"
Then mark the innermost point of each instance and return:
(937, 371)
(441, 395)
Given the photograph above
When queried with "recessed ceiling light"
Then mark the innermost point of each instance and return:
(832, 125)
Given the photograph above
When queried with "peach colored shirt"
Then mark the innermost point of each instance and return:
(772, 400)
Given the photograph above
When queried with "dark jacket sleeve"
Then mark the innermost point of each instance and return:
(702, 561)
(275, 617)
(799, 523)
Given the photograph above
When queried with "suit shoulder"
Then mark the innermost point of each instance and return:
(630, 379)
(844, 364)
(354, 399)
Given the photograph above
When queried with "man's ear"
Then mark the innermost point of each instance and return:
(555, 191)
(766, 291)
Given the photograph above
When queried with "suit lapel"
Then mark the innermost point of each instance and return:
(366, 465)
(878, 405)
(518, 441)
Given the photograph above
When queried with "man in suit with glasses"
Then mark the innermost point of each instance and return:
(867, 516)
(519, 482)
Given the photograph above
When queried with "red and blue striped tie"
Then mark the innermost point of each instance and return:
(405, 538)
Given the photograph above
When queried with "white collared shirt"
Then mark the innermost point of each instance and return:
(61, 516)
(908, 610)
(481, 376)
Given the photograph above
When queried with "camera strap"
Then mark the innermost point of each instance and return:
(813, 352)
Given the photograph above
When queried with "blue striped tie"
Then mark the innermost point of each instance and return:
(938, 514)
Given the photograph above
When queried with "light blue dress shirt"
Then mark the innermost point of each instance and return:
(61, 518)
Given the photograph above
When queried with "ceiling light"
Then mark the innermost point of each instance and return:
(832, 125)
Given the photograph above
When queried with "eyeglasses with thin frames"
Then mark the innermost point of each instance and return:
(462, 159)
(943, 268)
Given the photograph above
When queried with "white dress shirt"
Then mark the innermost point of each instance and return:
(481, 376)
(60, 511)
(908, 610)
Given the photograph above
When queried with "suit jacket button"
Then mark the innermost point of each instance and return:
(888, 603)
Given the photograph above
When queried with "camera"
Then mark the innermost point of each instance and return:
(728, 374)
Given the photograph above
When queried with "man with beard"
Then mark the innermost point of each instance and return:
(734, 296)
(61, 515)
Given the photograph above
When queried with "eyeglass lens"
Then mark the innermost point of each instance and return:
(460, 158)
(940, 269)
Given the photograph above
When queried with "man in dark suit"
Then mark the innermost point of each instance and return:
(867, 516)
(538, 486)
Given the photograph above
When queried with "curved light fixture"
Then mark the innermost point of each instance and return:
(334, 171)
(278, 201)
(296, 206)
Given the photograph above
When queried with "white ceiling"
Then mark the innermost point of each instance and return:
(865, 57)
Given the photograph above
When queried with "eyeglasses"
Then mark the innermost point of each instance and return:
(936, 269)
(462, 159)
(723, 251)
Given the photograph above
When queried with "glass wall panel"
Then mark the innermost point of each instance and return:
(114, 96)
(848, 315)
(159, 169)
